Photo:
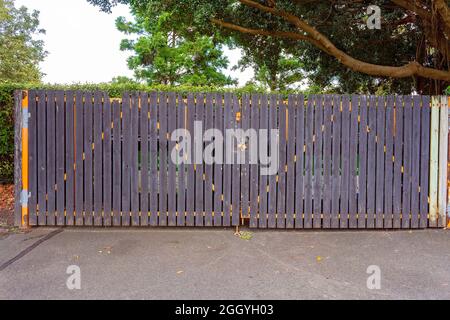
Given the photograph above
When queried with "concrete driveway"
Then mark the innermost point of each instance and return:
(216, 264)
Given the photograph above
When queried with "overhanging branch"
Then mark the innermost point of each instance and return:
(322, 42)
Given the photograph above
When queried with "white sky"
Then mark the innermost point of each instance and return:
(83, 43)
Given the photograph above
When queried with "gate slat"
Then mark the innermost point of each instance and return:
(107, 161)
(153, 176)
(236, 167)
(327, 161)
(172, 185)
(290, 176)
(389, 164)
(51, 161)
(69, 158)
(181, 199)
(227, 167)
(281, 187)
(299, 161)
(336, 179)
(380, 138)
(198, 145)
(208, 167)
(88, 171)
(42, 166)
(317, 162)
(263, 125)
(254, 172)
(353, 165)
(407, 153)
(117, 163)
(126, 158)
(424, 160)
(190, 188)
(32, 145)
(398, 151)
(415, 162)
(362, 174)
(245, 167)
(98, 159)
(134, 161)
(345, 173)
(371, 162)
(60, 163)
(79, 164)
(218, 124)
(162, 106)
(309, 161)
(144, 134)
(272, 193)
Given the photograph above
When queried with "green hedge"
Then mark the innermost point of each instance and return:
(114, 90)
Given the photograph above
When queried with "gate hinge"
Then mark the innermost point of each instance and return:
(24, 195)
(25, 117)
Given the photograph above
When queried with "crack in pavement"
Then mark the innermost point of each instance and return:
(29, 249)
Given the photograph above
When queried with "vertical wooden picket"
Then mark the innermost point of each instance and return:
(171, 175)
(299, 160)
(254, 176)
(88, 171)
(290, 162)
(218, 166)
(434, 162)
(317, 162)
(209, 120)
(107, 161)
(443, 160)
(144, 167)
(380, 161)
(263, 147)
(98, 159)
(79, 159)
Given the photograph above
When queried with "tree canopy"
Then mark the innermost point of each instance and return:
(165, 51)
(20, 52)
(330, 38)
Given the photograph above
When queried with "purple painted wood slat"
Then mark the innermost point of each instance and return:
(107, 162)
(353, 164)
(327, 161)
(389, 164)
(263, 145)
(424, 160)
(218, 171)
(88, 171)
(290, 162)
(362, 173)
(317, 162)
(299, 162)
(79, 161)
(51, 159)
(98, 159)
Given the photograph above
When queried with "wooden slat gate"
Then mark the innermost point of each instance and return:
(343, 161)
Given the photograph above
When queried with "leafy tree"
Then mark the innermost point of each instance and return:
(168, 53)
(20, 52)
(410, 52)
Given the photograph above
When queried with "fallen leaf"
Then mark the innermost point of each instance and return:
(318, 258)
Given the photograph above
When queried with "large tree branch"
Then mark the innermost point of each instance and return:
(261, 32)
(408, 70)
(443, 10)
